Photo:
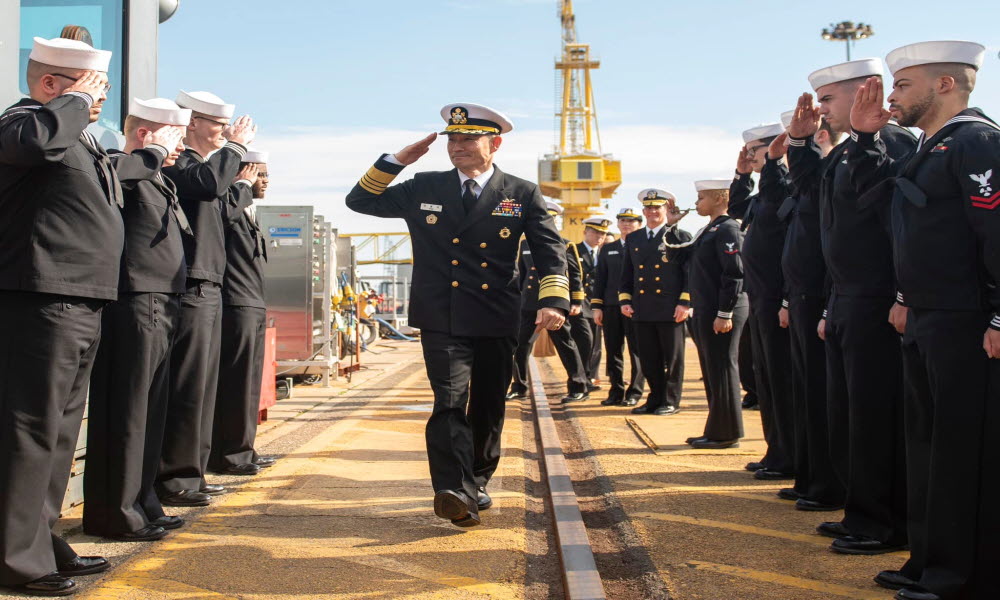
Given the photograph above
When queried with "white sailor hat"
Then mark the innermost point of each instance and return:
(206, 103)
(708, 185)
(256, 156)
(70, 54)
(855, 69)
(628, 213)
(159, 110)
(553, 208)
(600, 224)
(474, 119)
(762, 132)
(925, 53)
(786, 118)
(655, 197)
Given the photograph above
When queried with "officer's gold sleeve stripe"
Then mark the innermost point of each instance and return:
(624, 296)
(556, 279)
(374, 182)
(380, 176)
(596, 301)
(553, 293)
(371, 190)
(577, 296)
(685, 296)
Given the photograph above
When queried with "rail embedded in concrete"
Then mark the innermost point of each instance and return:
(580, 576)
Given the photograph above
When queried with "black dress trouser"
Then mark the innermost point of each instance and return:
(661, 354)
(618, 329)
(582, 330)
(746, 364)
(47, 348)
(815, 477)
(562, 339)
(772, 375)
(947, 391)
(718, 355)
(864, 379)
(194, 375)
(241, 370)
(469, 376)
(128, 407)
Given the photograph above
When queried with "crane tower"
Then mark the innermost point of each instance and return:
(576, 173)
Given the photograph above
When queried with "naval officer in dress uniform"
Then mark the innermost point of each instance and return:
(607, 314)
(945, 202)
(202, 174)
(864, 361)
(128, 388)
(562, 338)
(585, 331)
(244, 315)
(465, 224)
(62, 243)
(653, 293)
(720, 310)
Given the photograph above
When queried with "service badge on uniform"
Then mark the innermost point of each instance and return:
(459, 116)
(651, 195)
(505, 233)
(432, 219)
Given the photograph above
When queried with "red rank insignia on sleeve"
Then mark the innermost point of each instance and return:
(987, 203)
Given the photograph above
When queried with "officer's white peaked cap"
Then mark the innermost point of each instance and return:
(763, 132)
(70, 54)
(553, 207)
(159, 110)
(474, 119)
(206, 103)
(655, 197)
(926, 53)
(855, 69)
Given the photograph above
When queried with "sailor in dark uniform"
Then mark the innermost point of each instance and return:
(945, 203)
(720, 310)
(653, 293)
(202, 174)
(764, 285)
(617, 328)
(244, 315)
(586, 332)
(864, 363)
(128, 388)
(62, 242)
(818, 486)
(465, 224)
(562, 338)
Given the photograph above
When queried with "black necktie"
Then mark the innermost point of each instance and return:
(651, 234)
(469, 196)
(175, 205)
(105, 170)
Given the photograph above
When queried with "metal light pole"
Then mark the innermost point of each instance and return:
(847, 32)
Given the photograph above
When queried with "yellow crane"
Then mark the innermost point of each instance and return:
(577, 173)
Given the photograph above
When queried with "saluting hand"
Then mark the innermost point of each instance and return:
(805, 121)
(991, 343)
(248, 172)
(550, 318)
(242, 131)
(743, 164)
(411, 153)
(868, 114)
(778, 147)
(169, 137)
(91, 83)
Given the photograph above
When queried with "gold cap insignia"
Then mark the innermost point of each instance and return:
(651, 195)
(505, 233)
(432, 219)
(459, 116)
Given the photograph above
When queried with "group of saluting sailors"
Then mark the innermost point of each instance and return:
(135, 276)
(865, 269)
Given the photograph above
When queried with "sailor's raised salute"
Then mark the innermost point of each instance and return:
(465, 225)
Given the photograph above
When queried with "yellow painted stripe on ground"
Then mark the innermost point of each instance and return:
(790, 581)
(815, 540)
(444, 579)
(733, 491)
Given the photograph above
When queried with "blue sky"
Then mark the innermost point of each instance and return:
(333, 83)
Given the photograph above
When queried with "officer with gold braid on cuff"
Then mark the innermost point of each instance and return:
(465, 225)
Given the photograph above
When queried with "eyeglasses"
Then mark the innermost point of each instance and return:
(105, 89)
(752, 151)
(221, 123)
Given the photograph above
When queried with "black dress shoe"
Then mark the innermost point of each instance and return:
(612, 401)
(593, 387)
(457, 507)
(789, 494)
(916, 594)
(483, 500)
(753, 467)
(245, 469)
(149, 533)
(84, 565)
(832, 529)
(168, 522)
(708, 444)
(769, 475)
(815, 506)
(691, 440)
(265, 461)
(212, 489)
(894, 580)
(186, 498)
(666, 410)
(630, 401)
(516, 396)
(52, 584)
(865, 545)
(577, 397)
(642, 409)
(749, 401)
